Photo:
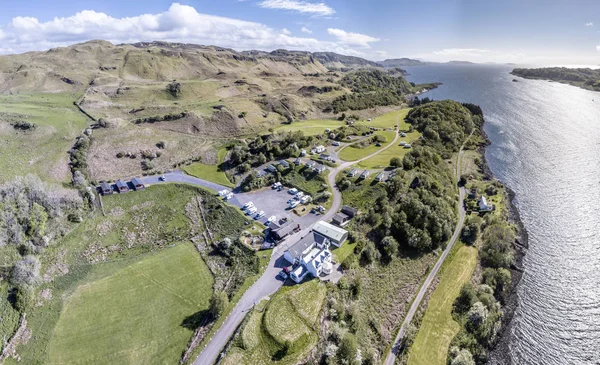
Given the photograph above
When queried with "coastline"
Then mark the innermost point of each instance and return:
(499, 352)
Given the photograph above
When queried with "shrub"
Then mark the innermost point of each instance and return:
(26, 271)
(218, 302)
(348, 347)
(395, 162)
(24, 298)
(162, 145)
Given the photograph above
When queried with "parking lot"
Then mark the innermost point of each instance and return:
(274, 202)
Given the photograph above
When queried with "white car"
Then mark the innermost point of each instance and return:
(299, 195)
(294, 204)
(305, 199)
(251, 211)
(259, 215)
(276, 185)
(228, 196)
(336, 143)
(271, 219)
(402, 143)
(223, 192)
(248, 205)
(293, 191)
(402, 134)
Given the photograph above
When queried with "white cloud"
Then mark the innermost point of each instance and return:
(597, 47)
(590, 24)
(352, 39)
(180, 23)
(306, 30)
(285, 31)
(319, 9)
(470, 54)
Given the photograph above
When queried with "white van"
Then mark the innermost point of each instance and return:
(248, 206)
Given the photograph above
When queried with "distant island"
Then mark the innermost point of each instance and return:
(585, 78)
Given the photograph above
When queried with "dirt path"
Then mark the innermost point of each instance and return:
(397, 345)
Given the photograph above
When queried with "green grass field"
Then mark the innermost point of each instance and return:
(285, 331)
(137, 314)
(210, 172)
(57, 122)
(438, 327)
(311, 127)
(340, 253)
(388, 120)
(351, 153)
(362, 193)
(382, 159)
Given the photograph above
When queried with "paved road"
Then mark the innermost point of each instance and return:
(268, 283)
(397, 346)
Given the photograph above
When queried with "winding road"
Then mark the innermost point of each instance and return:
(397, 346)
(268, 283)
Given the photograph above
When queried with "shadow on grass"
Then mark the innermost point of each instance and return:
(197, 320)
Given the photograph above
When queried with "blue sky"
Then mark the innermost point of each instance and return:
(526, 31)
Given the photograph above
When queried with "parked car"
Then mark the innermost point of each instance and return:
(223, 192)
(293, 191)
(248, 205)
(283, 275)
(276, 185)
(271, 219)
(251, 211)
(294, 204)
(228, 196)
(162, 178)
(299, 195)
(259, 215)
(336, 143)
(402, 134)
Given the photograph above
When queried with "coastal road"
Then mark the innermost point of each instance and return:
(397, 346)
(268, 283)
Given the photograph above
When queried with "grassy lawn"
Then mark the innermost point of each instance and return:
(137, 315)
(362, 193)
(285, 331)
(388, 120)
(311, 127)
(438, 327)
(382, 159)
(210, 172)
(340, 253)
(57, 122)
(308, 181)
(352, 153)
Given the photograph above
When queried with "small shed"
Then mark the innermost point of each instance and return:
(106, 188)
(380, 177)
(122, 186)
(352, 173)
(365, 174)
(137, 184)
(298, 161)
(284, 164)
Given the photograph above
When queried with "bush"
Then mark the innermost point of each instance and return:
(162, 145)
(348, 347)
(24, 299)
(218, 302)
(395, 162)
(26, 271)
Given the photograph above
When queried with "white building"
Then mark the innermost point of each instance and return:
(484, 206)
(318, 149)
(311, 255)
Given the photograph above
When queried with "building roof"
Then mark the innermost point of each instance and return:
(282, 228)
(105, 186)
(122, 184)
(284, 163)
(349, 210)
(135, 181)
(365, 173)
(330, 231)
(299, 248)
(340, 218)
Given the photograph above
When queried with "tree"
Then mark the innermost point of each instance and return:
(477, 314)
(218, 302)
(24, 299)
(389, 246)
(470, 231)
(465, 299)
(348, 347)
(26, 271)
(395, 162)
(462, 357)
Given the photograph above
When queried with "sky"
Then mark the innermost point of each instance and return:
(544, 32)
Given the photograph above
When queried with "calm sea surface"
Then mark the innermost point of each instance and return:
(546, 147)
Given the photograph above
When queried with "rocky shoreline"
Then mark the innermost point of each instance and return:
(499, 353)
